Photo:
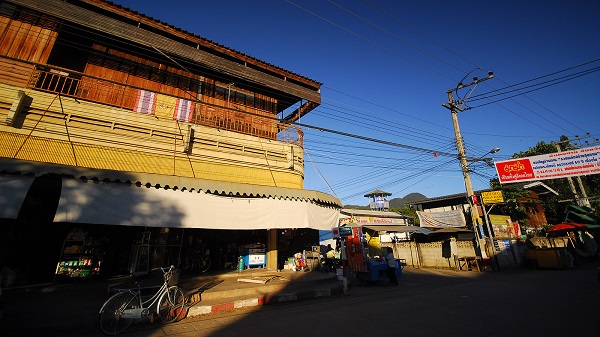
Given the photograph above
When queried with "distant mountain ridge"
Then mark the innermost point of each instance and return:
(396, 202)
(400, 202)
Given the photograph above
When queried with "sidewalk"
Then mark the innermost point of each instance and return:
(71, 309)
(256, 287)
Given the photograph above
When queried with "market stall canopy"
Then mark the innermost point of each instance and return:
(151, 200)
(567, 226)
(25, 168)
(122, 204)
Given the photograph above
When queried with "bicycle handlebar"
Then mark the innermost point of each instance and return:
(164, 269)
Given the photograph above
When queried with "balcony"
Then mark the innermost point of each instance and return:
(80, 86)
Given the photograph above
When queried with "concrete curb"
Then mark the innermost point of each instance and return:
(197, 310)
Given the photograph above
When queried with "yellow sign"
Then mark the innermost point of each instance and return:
(492, 197)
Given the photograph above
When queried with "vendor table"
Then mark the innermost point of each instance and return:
(377, 270)
(468, 262)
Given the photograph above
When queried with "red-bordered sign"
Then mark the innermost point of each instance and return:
(550, 166)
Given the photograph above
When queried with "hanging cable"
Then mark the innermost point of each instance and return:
(320, 174)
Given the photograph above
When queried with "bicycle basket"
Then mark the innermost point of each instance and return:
(172, 277)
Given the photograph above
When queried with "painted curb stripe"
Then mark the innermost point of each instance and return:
(197, 310)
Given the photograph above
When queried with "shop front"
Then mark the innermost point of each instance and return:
(154, 219)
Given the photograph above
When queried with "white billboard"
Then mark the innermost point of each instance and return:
(550, 166)
(454, 218)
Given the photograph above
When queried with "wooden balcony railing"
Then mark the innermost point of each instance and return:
(77, 85)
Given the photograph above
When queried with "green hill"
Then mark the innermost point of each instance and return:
(412, 197)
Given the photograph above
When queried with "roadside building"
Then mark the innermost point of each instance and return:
(499, 239)
(129, 137)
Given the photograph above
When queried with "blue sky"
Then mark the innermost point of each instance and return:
(386, 66)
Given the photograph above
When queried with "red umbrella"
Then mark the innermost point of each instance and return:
(567, 226)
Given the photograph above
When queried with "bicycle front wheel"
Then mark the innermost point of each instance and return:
(112, 321)
(170, 305)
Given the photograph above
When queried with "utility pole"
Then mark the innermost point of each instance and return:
(455, 107)
(582, 200)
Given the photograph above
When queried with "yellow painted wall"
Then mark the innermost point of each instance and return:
(67, 131)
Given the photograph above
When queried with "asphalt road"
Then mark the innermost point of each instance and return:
(426, 303)
(434, 303)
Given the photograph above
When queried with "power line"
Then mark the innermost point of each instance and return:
(529, 120)
(551, 83)
(395, 36)
(389, 109)
(474, 64)
(401, 179)
(503, 91)
(188, 70)
(422, 34)
(367, 40)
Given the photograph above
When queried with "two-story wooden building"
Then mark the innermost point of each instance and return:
(111, 118)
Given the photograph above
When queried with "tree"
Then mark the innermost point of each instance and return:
(554, 206)
(409, 212)
(515, 201)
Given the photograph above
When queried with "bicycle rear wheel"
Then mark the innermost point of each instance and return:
(170, 305)
(111, 314)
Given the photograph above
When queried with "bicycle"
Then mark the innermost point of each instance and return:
(122, 308)
(197, 261)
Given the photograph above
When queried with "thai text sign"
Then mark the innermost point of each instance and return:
(492, 197)
(357, 220)
(550, 166)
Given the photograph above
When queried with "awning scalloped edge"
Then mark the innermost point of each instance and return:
(221, 188)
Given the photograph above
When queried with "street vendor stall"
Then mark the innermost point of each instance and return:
(377, 271)
(368, 267)
(565, 245)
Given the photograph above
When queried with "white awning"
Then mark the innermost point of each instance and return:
(102, 202)
(13, 190)
(25, 167)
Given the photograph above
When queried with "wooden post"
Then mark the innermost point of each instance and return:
(272, 249)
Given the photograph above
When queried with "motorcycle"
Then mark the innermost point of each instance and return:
(328, 264)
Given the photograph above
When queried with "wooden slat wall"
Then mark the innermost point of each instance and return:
(14, 72)
(131, 79)
(226, 118)
(25, 41)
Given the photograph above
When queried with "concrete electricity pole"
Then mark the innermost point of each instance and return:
(582, 200)
(455, 107)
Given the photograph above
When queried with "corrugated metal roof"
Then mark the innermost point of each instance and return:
(123, 30)
(14, 166)
(445, 197)
(134, 12)
(538, 187)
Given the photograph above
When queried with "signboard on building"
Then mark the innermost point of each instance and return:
(550, 166)
(503, 226)
(363, 220)
(492, 197)
(454, 218)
